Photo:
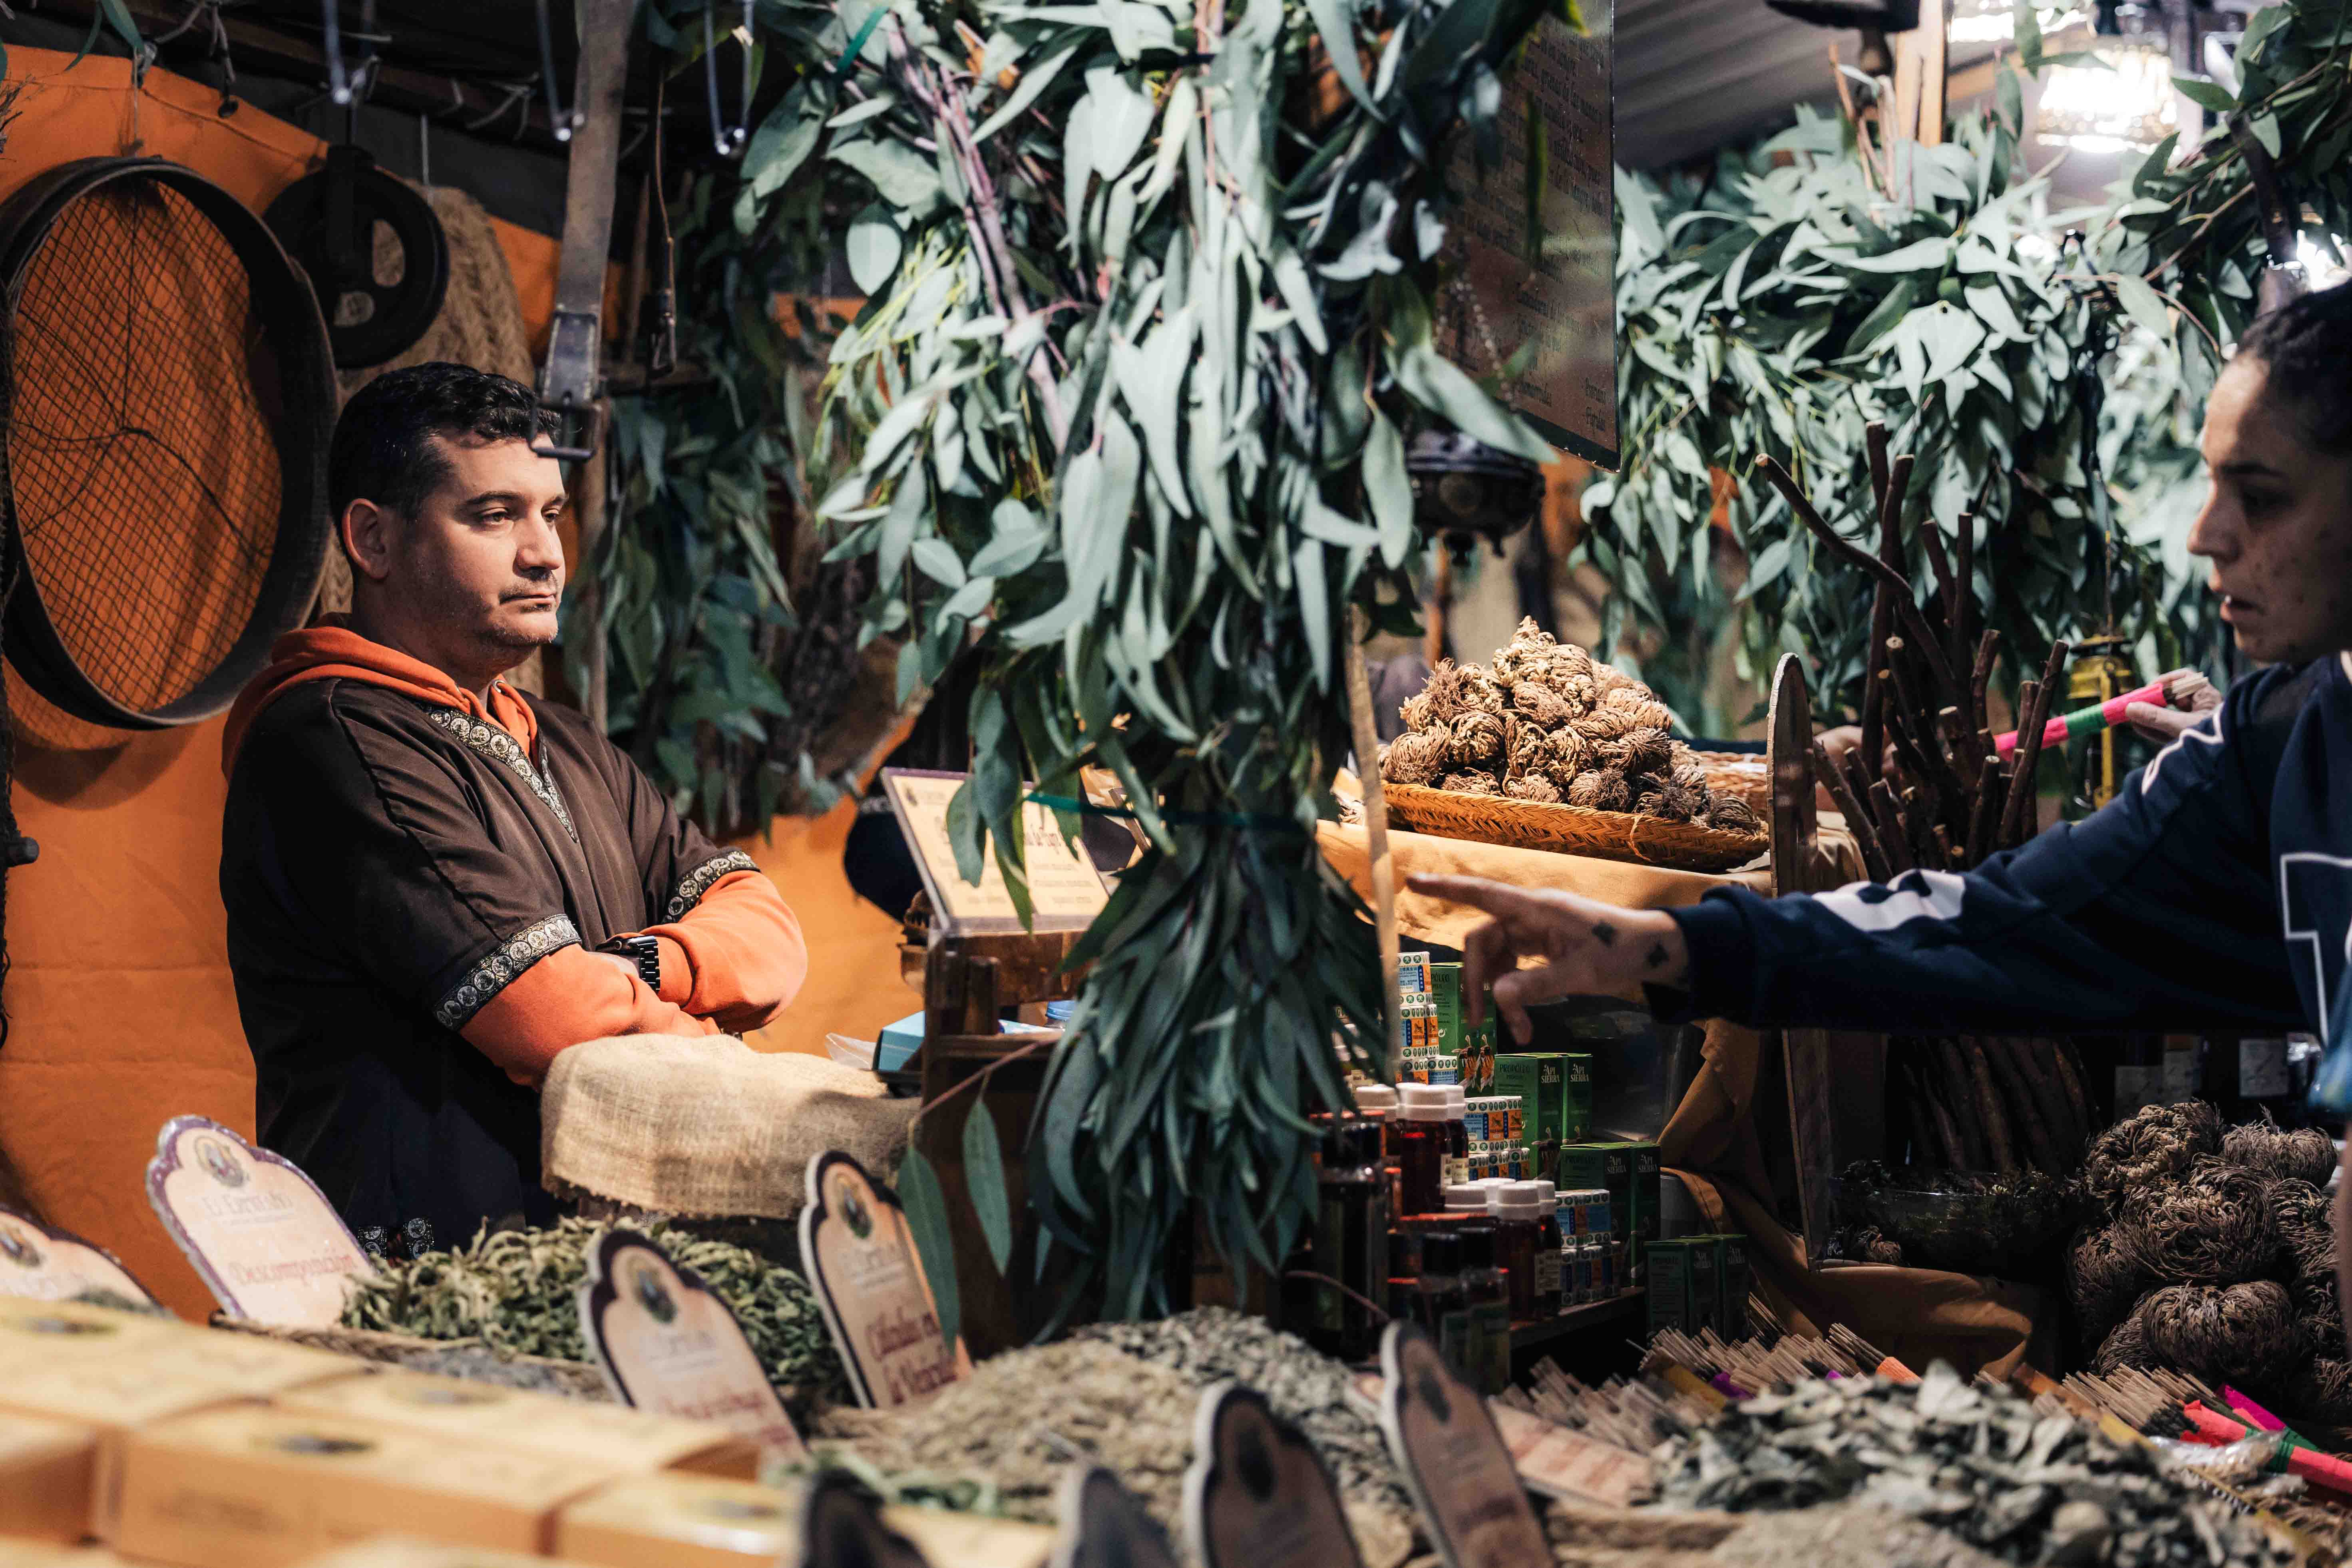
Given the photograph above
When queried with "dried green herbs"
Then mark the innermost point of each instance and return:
(517, 1292)
(1980, 1463)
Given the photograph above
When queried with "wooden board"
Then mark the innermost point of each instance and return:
(1796, 866)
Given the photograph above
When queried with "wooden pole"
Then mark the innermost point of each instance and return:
(1376, 839)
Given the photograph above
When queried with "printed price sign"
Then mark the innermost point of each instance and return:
(52, 1266)
(1561, 301)
(261, 1233)
(666, 1343)
(1455, 1464)
(870, 1283)
(1257, 1495)
(1104, 1525)
(1065, 891)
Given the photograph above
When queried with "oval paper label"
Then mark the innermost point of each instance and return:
(1257, 1495)
(666, 1343)
(1454, 1463)
(869, 1281)
(264, 1239)
(53, 1265)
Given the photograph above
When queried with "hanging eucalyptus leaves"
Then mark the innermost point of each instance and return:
(1127, 412)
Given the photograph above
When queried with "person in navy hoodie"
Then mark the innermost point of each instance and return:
(2214, 893)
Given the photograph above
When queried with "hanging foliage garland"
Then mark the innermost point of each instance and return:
(1127, 414)
(1805, 291)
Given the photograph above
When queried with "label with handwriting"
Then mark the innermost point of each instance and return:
(54, 1266)
(666, 1343)
(261, 1233)
(1065, 891)
(1454, 1463)
(869, 1282)
(1257, 1494)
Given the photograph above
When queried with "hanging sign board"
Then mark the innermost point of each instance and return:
(1563, 300)
(53, 1265)
(666, 1343)
(1256, 1495)
(1065, 891)
(1104, 1525)
(1455, 1464)
(261, 1233)
(869, 1282)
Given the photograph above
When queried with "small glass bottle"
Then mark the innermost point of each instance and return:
(1517, 1208)
(1457, 1135)
(1549, 1242)
(1421, 1144)
(1351, 1243)
(1442, 1305)
(1489, 1290)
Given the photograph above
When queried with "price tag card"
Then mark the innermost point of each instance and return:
(666, 1343)
(1562, 1462)
(52, 1266)
(261, 1233)
(1103, 1525)
(869, 1281)
(1065, 891)
(841, 1528)
(1455, 1464)
(1257, 1496)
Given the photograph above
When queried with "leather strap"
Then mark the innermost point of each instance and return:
(569, 381)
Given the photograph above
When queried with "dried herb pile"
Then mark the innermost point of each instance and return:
(517, 1291)
(1982, 1464)
(1126, 1396)
(1550, 724)
(2212, 1258)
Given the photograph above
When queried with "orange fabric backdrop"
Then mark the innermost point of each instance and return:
(120, 1002)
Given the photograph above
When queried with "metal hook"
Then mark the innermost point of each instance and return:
(564, 124)
(344, 85)
(729, 139)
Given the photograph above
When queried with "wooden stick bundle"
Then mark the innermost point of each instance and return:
(1928, 789)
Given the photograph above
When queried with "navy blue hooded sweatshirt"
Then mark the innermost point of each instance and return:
(2214, 893)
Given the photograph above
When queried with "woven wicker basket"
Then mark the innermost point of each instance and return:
(451, 1358)
(1744, 775)
(1571, 829)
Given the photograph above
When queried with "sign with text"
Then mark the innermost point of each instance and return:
(1455, 1464)
(666, 1343)
(53, 1265)
(1104, 1525)
(1065, 891)
(869, 1281)
(1562, 1462)
(261, 1233)
(1562, 300)
(1256, 1495)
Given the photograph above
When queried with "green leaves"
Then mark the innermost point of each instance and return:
(926, 1203)
(2142, 305)
(2206, 95)
(874, 246)
(983, 1174)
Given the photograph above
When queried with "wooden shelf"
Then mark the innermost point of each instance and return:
(1593, 1314)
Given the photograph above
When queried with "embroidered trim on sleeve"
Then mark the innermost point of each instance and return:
(500, 748)
(696, 882)
(498, 970)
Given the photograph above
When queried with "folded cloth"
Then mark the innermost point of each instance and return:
(706, 1127)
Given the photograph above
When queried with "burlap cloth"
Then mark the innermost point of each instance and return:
(1712, 1142)
(706, 1127)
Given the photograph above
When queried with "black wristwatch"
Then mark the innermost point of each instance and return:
(644, 951)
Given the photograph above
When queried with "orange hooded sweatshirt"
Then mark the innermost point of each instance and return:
(731, 962)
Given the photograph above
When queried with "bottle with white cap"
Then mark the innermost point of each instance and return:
(1430, 1121)
(1517, 1208)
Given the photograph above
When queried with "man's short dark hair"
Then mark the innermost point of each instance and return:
(2306, 346)
(381, 451)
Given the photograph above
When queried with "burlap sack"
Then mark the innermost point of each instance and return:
(706, 1127)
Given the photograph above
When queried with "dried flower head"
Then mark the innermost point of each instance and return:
(1572, 755)
(1414, 758)
(1418, 710)
(2212, 1226)
(2237, 1333)
(1481, 692)
(1479, 738)
(1534, 787)
(1537, 703)
(1599, 789)
(1732, 814)
(2304, 1152)
(1472, 781)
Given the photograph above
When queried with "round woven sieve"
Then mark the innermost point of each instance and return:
(166, 395)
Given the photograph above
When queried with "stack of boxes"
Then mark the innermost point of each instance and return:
(1700, 1282)
(204, 1448)
(1627, 1171)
